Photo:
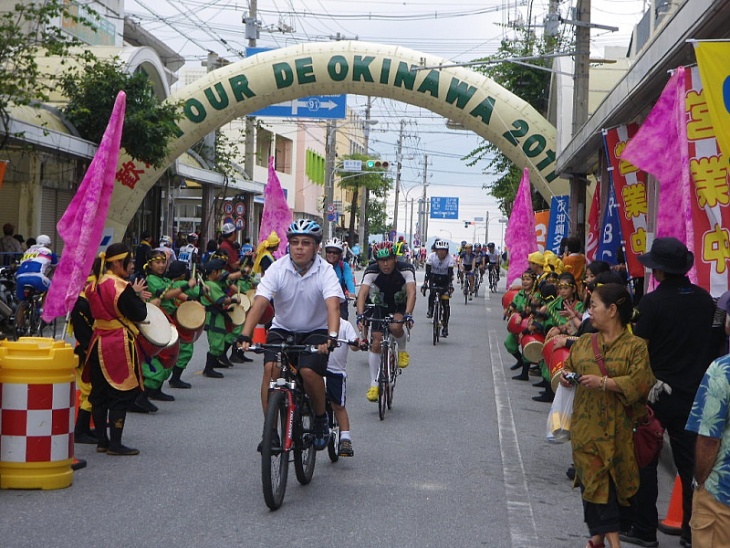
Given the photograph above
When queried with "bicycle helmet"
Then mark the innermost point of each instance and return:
(477, 246)
(334, 243)
(305, 227)
(440, 244)
(43, 240)
(463, 243)
(166, 241)
(383, 250)
(490, 245)
(192, 237)
(468, 246)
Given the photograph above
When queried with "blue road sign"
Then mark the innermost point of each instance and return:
(329, 107)
(444, 208)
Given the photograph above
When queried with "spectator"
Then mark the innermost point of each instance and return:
(210, 249)
(142, 253)
(710, 420)
(676, 320)
(228, 236)
(10, 247)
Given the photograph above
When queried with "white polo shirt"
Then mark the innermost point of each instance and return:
(299, 300)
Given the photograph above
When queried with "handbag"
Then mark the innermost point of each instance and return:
(648, 431)
(561, 412)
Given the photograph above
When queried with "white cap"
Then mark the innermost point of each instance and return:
(228, 228)
(43, 240)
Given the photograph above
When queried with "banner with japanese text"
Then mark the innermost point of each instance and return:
(710, 191)
(610, 238)
(630, 187)
(713, 59)
(592, 228)
(559, 226)
(542, 220)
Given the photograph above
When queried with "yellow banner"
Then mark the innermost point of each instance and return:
(713, 60)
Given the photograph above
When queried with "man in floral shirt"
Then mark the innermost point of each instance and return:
(711, 421)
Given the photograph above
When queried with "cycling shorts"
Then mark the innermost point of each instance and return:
(40, 284)
(378, 313)
(316, 362)
(467, 267)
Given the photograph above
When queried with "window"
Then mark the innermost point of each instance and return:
(283, 154)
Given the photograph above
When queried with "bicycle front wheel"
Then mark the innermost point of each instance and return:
(333, 447)
(436, 320)
(274, 460)
(305, 457)
(393, 372)
(383, 383)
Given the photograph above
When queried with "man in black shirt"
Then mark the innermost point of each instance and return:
(676, 321)
(142, 254)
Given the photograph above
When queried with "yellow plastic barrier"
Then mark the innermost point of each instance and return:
(37, 399)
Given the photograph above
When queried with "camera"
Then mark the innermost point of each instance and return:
(572, 378)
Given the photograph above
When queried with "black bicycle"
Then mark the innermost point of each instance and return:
(441, 310)
(493, 276)
(31, 308)
(288, 425)
(389, 368)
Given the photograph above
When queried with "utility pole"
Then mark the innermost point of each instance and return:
(252, 34)
(364, 191)
(580, 110)
(486, 229)
(207, 214)
(398, 162)
(329, 178)
(423, 210)
(411, 227)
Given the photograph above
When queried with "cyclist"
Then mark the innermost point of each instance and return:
(466, 265)
(479, 261)
(459, 272)
(189, 253)
(307, 297)
(493, 259)
(391, 286)
(334, 249)
(35, 265)
(440, 273)
(166, 247)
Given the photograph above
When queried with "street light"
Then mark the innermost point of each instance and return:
(451, 238)
(503, 221)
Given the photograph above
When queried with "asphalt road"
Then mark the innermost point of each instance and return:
(461, 460)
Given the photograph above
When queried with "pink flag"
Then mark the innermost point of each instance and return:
(82, 225)
(520, 238)
(659, 147)
(592, 234)
(277, 215)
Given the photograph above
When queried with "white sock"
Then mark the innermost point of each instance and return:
(374, 363)
(401, 343)
(345, 435)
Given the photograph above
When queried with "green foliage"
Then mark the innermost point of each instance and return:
(28, 32)
(531, 85)
(148, 123)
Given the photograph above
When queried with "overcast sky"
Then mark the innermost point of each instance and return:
(457, 30)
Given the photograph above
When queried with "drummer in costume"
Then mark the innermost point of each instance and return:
(519, 305)
(112, 364)
(164, 295)
(264, 253)
(244, 284)
(217, 323)
(180, 277)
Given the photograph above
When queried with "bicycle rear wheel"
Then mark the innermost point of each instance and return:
(333, 447)
(466, 290)
(305, 456)
(393, 372)
(274, 463)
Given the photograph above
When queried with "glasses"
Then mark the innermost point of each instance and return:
(333, 252)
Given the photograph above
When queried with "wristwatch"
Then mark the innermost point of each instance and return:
(333, 334)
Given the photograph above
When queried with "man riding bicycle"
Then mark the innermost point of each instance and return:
(479, 261)
(493, 260)
(391, 286)
(439, 274)
(35, 265)
(307, 296)
(466, 265)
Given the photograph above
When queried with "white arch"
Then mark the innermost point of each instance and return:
(459, 94)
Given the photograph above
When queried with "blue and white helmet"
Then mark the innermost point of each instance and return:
(305, 227)
(441, 244)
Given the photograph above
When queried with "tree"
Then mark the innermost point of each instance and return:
(149, 124)
(27, 33)
(530, 84)
(377, 184)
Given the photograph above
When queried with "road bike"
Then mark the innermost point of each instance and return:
(30, 309)
(468, 286)
(441, 310)
(477, 279)
(389, 368)
(493, 276)
(288, 425)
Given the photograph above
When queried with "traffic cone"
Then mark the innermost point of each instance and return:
(259, 334)
(672, 524)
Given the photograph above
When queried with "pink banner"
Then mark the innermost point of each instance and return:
(520, 237)
(630, 186)
(709, 197)
(593, 228)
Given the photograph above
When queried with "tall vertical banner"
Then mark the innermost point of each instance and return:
(630, 187)
(710, 192)
(610, 238)
(592, 232)
(559, 226)
(542, 220)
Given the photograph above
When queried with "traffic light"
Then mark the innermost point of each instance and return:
(466, 224)
(377, 164)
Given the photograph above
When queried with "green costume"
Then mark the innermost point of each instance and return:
(601, 430)
(152, 370)
(244, 283)
(170, 306)
(511, 343)
(217, 324)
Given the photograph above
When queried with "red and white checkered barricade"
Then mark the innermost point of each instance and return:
(37, 400)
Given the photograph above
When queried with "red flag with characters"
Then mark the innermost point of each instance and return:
(630, 187)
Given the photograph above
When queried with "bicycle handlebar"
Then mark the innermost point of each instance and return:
(260, 348)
